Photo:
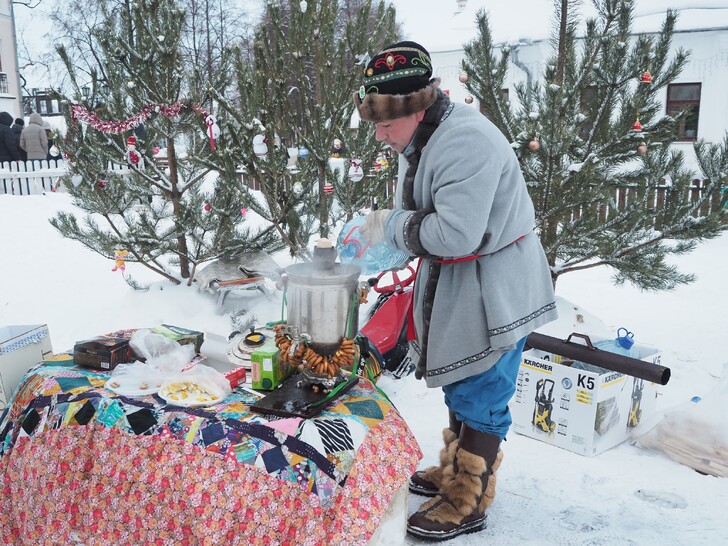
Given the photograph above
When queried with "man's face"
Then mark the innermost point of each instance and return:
(398, 132)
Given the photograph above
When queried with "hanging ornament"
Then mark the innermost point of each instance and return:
(302, 152)
(119, 260)
(328, 189)
(356, 173)
(76, 180)
(133, 157)
(102, 184)
(338, 149)
(54, 151)
(207, 207)
(243, 212)
(469, 99)
(304, 6)
(534, 145)
(642, 148)
(381, 163)
(463, 77)
(646, 77)
(637, 127)
(297, 188)
(260, 145)
(213, 131)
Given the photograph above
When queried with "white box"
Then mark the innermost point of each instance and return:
(583, 411)
(21, 348)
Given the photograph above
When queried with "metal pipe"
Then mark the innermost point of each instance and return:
(591, 355)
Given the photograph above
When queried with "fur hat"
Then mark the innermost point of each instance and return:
(397, 82)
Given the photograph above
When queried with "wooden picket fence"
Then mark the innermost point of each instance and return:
(657, 197)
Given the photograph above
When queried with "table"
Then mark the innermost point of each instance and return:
(81, 464)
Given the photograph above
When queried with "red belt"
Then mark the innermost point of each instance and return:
(411, 312)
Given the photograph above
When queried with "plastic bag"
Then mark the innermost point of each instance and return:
(161, 352)
(198, 386)
(695, 434)
(135, 379)
(163, 357)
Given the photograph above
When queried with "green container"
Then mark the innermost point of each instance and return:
(267, 370)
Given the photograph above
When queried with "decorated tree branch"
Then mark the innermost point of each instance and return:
(595, 150)
(138, 149)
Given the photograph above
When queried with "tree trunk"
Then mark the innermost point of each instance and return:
(184, 262)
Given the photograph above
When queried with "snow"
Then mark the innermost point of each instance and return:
(546, 495)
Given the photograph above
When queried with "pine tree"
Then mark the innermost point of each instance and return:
(295, 96)
(595, 150)
(166, 214)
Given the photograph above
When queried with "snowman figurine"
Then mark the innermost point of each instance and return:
(133, 157)
(356, 173)
(260, 146)
(338, 149)
(213, 130)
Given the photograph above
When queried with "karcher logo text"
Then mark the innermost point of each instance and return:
(535, 364)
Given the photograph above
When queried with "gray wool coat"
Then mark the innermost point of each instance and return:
(33, 139)
(470, 198)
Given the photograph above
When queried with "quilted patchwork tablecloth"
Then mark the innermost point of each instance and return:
(80, 463)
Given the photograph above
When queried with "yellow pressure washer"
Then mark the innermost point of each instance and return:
(544, 405)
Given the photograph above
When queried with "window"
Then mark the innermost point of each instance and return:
(504, 96)
(685, 96)
(4, 88)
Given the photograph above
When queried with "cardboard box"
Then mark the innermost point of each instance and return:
(102, 353)
(583, 411)
(266, 369)
(21, 347)
(183, 336)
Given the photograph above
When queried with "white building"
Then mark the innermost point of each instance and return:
(9, 77)
(525, 25)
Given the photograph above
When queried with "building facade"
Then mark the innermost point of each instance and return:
(10, 94)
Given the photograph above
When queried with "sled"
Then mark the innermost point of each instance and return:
(386, 328)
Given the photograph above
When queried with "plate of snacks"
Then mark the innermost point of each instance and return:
(138, 389)
(134, 380)
(189, 394)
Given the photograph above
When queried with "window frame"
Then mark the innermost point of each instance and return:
(675, 106)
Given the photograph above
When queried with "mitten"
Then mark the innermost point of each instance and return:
(373, 228)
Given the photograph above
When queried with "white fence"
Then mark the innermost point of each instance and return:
(36, 177)
(30, 177)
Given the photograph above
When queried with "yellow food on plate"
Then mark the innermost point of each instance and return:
(188, 392)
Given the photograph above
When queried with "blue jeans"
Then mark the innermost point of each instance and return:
(481, 401)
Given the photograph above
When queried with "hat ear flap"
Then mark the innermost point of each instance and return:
(376, 107)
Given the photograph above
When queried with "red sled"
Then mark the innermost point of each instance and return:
(386, 328)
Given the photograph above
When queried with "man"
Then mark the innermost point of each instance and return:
(8, 144)
(17, 128)
(483, 284)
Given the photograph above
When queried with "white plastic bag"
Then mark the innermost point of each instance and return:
(160, 351)
(695, 434)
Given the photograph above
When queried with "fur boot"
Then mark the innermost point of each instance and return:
(466, 492)
(427, 482)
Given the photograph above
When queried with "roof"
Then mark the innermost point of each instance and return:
(439, 26)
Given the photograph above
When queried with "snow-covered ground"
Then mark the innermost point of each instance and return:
(546, 495)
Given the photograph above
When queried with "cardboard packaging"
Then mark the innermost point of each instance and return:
(582, 411)
(267, 370)
(102, 353)
(183, 336)
(21, 348)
